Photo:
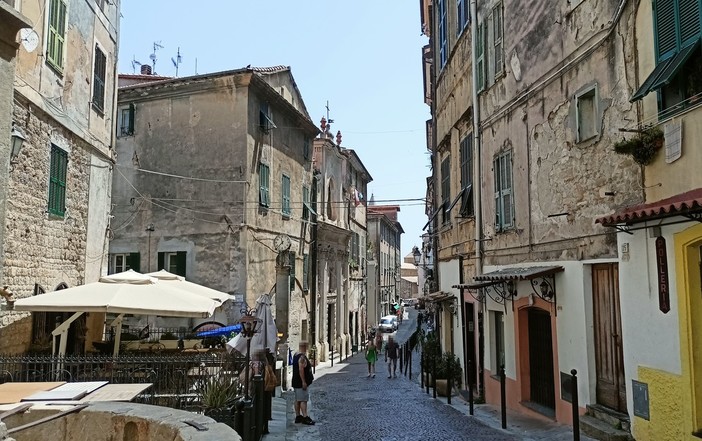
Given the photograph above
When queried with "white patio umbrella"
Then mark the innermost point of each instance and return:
(177, 281)
(267, 333)
(123, 293)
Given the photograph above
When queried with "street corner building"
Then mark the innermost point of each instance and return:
(57, 93)
(210, 179)
(563, 206)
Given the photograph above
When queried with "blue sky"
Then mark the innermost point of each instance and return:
(363, 56)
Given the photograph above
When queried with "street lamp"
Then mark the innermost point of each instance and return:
(18, 139)
(417, 255)
(248, 323)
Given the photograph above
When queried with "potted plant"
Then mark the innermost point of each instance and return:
(448, 364)
(217, 396)
(431, 350)
(643, 147)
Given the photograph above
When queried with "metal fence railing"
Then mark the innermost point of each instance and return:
(175, 378)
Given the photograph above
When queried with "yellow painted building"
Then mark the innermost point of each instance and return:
(661, 256)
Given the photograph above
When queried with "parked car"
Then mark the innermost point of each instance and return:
(388, 323)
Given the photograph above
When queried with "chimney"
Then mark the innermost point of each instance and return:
(145, 69)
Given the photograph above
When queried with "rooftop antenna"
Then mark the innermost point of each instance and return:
(176, 61)
(135, 63)
(157, 46)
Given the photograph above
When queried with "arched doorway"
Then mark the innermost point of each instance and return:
(540, 343)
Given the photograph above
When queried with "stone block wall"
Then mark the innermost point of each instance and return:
(15, 332)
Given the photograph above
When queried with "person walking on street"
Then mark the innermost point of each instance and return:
(301, 380)
(392, 352)
(378, 342)
(371, 357)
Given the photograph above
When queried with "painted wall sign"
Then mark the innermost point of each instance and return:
(662, 266)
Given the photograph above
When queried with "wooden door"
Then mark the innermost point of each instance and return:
(609, 359)
(542, 390)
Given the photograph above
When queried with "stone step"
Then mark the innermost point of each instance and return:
(601, 430)
(612, 417)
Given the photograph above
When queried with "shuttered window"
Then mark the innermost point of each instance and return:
(285, 186)
(57, 181)
(446, 188)
(462, 14)
(99, 73)
(480, 57)
(263, 185)
(497, 35)
(677, 40)
(442, 40)
(57, 34)
(305, 272)
(467, 176)
(174, 263)
(292, 263)
(504, 202)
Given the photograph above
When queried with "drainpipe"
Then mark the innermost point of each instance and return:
(477, 178)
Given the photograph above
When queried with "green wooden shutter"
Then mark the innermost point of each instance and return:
(263, 192)
(507, 206)
(134, 261)
(161, 261)
(498, 193)
(99, 74)
(57, 33)
(132, 114)
(305, 271)
(291, 255)
(666, 35)
(57, 181)
(286, 195)
(689, 21)
(180, 263)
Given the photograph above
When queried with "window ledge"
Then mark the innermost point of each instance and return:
(98, 110)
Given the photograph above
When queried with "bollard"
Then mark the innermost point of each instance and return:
(258, 406)
(402, 355)
(470, 388)
(239, 416)
(574, 403)
(433, 373)
(313, 358)
(247, 433)
(421, 370)
(503, 395)
(449, 385)
(331, 351)
(410, 364)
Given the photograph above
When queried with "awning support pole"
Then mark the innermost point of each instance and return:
(62, 331)
(118, 334)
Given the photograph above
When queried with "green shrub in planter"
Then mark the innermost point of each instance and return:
(643, 147)
(449, 360)
(217, 396)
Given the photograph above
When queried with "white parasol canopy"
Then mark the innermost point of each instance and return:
(266, 335)
(128, 292)
(177, 281)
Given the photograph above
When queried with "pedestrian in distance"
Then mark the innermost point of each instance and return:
(378, 342)
(371, 357)
(392, 352)
(301, 380)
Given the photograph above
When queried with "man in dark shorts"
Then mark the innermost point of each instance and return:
(301, 379)
(392, 352)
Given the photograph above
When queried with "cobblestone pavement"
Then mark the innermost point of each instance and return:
(348, 405)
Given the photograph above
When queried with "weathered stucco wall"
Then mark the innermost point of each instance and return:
(559, 183)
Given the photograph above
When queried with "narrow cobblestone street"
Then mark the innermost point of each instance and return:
(348, 405)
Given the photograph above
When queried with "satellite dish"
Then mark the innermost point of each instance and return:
(29, 39)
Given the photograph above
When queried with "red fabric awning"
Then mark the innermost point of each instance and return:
(678, 205)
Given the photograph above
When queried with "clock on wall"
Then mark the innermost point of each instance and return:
(281, 242)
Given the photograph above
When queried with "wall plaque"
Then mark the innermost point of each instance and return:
(662, 267)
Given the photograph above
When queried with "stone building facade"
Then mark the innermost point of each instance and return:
(341, 231)
(527, 102)
(384, 240)
(56, 217)
(210, 180)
